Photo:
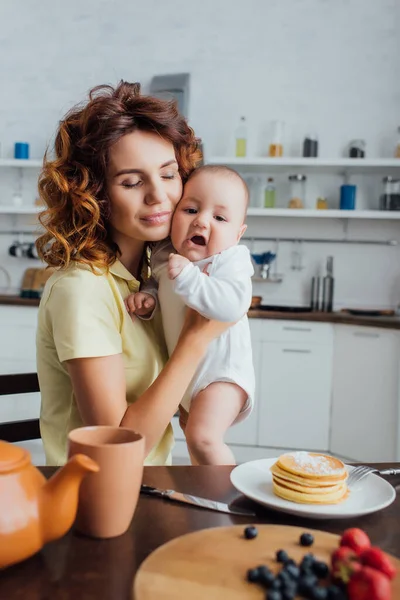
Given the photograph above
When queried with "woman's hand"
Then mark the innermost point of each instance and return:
(200, 329)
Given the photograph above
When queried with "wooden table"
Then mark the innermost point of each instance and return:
(80, 568)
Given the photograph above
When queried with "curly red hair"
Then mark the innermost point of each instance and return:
(73, 185)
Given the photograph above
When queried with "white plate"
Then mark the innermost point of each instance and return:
(254, 480)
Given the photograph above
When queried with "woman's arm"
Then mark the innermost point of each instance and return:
(99, 384)
(226, 294)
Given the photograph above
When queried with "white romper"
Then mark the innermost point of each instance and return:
(223, 293)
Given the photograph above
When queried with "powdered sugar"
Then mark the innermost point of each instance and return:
(317, 465)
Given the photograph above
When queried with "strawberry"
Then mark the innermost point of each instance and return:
(369, 584)
(356, 539)
(377, 559)
(344, 563)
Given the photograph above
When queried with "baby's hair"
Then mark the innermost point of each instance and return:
(222, 170)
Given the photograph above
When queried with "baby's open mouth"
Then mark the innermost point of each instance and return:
(199, 240)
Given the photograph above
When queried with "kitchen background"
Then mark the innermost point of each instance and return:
(324, 66)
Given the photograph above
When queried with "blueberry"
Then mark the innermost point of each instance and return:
(307, 584)
(320, 569)
(253, 575)
(288, 594)
(265, 576)
(309, 556)
(306, 539)
(307, 562)
(290, 587)
(282, 556)
(319, 593)
(250, 533)
(276, 584)
(290, 561)
(284, 578)
(335, 593)
(292, 570)
(274, 595)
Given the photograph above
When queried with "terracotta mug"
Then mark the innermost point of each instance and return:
(108, 500)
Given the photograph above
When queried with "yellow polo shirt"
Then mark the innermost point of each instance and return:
(82, 314)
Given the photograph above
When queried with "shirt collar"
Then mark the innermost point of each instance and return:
(119, 270)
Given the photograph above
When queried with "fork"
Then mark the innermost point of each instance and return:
(362, 471)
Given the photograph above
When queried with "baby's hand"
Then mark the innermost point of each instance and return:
(141, 304)
(176, 264)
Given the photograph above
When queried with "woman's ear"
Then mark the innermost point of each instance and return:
(241, 231)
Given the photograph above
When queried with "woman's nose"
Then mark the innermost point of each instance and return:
(156, 194)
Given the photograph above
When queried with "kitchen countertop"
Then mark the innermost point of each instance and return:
(316, 317)
(334, 317)
(9, 300)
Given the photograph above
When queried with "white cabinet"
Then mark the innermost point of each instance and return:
(296, 380)
(365, 400)
(18, 355)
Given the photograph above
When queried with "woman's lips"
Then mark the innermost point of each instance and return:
(157, 218)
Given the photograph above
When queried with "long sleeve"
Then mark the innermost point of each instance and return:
(150, 286)
(225, 294)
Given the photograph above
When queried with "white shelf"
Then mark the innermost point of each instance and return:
(20, 162)
(385, 166)
(20, 210)
(324, 214)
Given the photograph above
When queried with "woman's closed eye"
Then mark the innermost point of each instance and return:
(131, 184)
(170, 175)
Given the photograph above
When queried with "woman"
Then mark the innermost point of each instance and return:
(121, 161)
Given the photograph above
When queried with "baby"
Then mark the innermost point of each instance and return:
(203, 267)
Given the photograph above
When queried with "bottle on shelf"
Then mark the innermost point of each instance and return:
(269, 194)
(328, 286)
(297, 191)
(241, 138)
(397, 148)
(310, 146)
(322, 203)
(357, 149)
(315, 303)
(276, 145)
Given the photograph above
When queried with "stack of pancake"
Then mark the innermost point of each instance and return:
(310, 478)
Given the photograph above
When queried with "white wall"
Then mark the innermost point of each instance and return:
(329, 66)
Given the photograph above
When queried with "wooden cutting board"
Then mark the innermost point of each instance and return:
(213, 563)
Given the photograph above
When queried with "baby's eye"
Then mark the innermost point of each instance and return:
(219, 218)
(190, 211)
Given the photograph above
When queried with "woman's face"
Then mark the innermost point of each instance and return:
(144, 186)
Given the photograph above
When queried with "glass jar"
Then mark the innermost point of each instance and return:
(256, 189)
(241, 138)
(310, 146)
(269, 194)
(390, 199)
(276, 145)
(297, 191)
(397, 147)
(357, 149)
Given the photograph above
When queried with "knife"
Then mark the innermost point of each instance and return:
(195, 501)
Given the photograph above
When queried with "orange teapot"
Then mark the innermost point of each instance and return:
(34, 511)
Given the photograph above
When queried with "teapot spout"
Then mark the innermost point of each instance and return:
(59, 498)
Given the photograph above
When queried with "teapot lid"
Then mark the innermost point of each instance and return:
(12, 458)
